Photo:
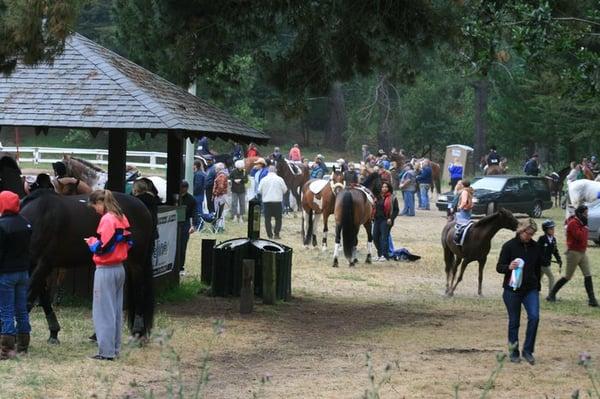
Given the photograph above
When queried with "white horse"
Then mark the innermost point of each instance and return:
(582, 191)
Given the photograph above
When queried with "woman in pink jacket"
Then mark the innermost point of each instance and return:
(110, 247)
(295, 154)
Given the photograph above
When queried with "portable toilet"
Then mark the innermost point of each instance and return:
(460, 152)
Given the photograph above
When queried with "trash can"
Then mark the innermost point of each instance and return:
(227, 257)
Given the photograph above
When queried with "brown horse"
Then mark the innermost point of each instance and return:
(436, 172)
(322, 203)
(476, 246)
(294, 175)
(352, 209)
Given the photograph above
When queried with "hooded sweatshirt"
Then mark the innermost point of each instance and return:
(112, 241)
(15, 235)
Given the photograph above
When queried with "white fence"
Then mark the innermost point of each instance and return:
(47, 155)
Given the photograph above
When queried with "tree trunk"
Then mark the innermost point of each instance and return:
(384, 104)
(337, 123)
(305, 132)
(481, 99)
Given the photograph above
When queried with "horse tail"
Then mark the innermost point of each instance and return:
(437, 181)
(348, 228)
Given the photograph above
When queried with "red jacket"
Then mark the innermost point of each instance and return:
(112, 242)
(577, 235)
(252, 152)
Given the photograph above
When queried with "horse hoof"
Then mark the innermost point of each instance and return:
(335, 263)
(354, 261)
(53, 341)
(368, 260)
(306, 247)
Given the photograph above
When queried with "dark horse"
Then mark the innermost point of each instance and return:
(60, 224)
(556, 182)
(475, 248)
(294, 175)
(352, 209)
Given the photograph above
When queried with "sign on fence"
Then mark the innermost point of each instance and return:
(163, 258)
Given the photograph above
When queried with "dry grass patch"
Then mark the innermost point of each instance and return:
(315, 345)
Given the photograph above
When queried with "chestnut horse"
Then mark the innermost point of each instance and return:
(322, 203)
(352, 209)
(476, 246)
(294, 179)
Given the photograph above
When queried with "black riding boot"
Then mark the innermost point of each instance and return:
(552, 296)
(589, 287)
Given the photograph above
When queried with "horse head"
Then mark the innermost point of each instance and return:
(507, 219)
(337, 181)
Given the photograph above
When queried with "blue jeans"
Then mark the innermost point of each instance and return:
(531, 302)
(424, 195)
(199, 205)
(409, 203)
(381, 237)
(13, 303)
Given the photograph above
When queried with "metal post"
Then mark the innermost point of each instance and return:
(189, 147)
(254, 219)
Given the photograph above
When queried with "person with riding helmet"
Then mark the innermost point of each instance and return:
(295, 155)
(520, 261)
(15, 236)
(549, 247)
(385, 212)
(577, 242)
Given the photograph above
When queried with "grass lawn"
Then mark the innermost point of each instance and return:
(315, 346)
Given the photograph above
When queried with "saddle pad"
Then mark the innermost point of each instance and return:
(317, 185)
(295, 169)
(367, 192)
(463, 230)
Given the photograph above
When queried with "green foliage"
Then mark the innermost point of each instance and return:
(33, 30)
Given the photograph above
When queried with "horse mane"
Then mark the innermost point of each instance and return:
(88, 164)
(490, 218)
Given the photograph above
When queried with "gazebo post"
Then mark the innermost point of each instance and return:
(117, 155)
(174, 166)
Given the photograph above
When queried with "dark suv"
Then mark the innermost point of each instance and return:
(519, 194)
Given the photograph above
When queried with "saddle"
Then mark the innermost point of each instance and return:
(367, 192)
(294, 168)
(460, 233)
(317, 186)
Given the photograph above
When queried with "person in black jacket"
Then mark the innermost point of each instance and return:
(191, 220)
(15, 235)
(386, 210)
(548, 247)
(521, 251)
(144, 190)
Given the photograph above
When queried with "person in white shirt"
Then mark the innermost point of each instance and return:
(271, 189)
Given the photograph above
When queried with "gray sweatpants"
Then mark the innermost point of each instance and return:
(107, 308)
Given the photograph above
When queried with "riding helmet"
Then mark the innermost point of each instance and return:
(548, 224)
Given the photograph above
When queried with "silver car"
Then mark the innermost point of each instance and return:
(594, 221)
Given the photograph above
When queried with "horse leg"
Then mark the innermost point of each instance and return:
(480, 275)
(45, 299)
(369, 241)
(354, 259)
(455, 264)
(449, 261)
(306, 224)
(463, 266)
(325, 231)
(338, 231)
(315, 227)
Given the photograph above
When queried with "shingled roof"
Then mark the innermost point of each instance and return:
(91, 87)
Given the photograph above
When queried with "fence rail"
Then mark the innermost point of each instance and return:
(47, 155)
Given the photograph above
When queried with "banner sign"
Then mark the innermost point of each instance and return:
(163, 258)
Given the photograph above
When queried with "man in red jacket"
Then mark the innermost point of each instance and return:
(577, 239)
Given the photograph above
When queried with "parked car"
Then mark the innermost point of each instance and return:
(518, 194)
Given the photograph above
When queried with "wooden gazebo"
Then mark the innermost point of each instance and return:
(90, 87)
